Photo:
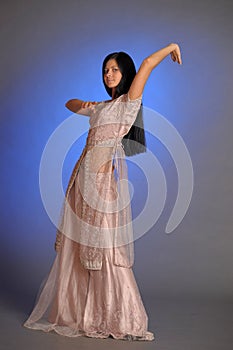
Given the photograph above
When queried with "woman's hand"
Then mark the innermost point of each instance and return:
(176, 55)
(87, 104)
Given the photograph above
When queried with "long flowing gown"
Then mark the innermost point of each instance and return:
(91, 289)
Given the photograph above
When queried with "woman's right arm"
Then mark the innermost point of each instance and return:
(75, 105)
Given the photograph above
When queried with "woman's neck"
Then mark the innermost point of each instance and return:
(113, 93)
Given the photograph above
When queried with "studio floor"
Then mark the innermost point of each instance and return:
(177, 325)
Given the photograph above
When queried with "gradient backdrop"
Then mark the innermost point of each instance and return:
(52, 51)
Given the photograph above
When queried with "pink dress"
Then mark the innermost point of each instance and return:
(91, 290)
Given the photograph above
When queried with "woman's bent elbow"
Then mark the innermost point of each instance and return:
(147, 63)
(67, 104)
(71, 106)
(150, 63)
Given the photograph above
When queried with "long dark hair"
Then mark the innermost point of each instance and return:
(134, 141)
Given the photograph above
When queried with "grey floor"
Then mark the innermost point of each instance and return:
(177, 324)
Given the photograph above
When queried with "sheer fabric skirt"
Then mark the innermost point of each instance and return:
(75, 301)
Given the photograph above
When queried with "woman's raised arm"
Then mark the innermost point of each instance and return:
(148, 64)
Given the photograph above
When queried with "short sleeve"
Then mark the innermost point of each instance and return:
(87, 111)
(135, 100)
(84, 111)
(127, 112)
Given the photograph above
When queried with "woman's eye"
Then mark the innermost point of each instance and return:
(112, 69)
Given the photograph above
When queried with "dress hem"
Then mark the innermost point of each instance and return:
(73, 333)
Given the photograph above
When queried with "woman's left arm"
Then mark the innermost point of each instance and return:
(148, 64)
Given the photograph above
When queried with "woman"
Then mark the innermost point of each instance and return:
(91, 289)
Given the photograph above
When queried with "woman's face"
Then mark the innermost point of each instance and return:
(112, 74)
